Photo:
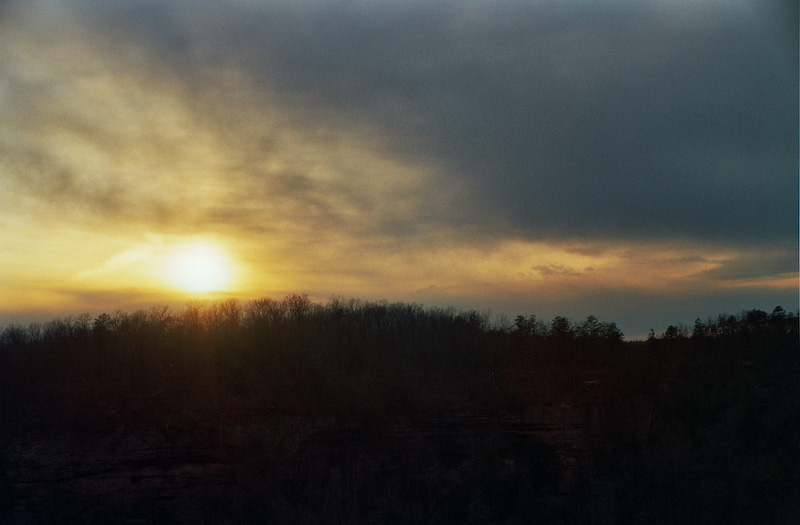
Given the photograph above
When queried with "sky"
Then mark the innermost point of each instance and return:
(636, 161)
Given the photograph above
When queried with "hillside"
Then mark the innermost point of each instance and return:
(351, 412)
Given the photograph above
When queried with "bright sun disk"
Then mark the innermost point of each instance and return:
(200, 267)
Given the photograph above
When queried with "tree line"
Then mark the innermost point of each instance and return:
(294, 352)
(269, 318)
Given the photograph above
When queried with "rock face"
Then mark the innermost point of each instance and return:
(545, 463)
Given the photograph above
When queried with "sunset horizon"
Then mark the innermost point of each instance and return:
(435, 262)
(638, 163)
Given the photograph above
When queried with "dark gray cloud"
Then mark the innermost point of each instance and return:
(578, 120)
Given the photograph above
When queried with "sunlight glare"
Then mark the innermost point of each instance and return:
(200, 267)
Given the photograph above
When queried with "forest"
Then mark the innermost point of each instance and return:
(292, 411)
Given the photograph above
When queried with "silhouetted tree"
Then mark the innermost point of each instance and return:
(561, 329)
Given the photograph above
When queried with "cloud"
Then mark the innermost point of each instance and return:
(580, 121)
(773, 265)
(465, 149)
(577, 121)
(151, 130)
(550, 270)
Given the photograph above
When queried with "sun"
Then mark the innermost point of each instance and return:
(200, 267)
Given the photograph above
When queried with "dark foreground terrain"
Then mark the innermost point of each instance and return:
(294, 412)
